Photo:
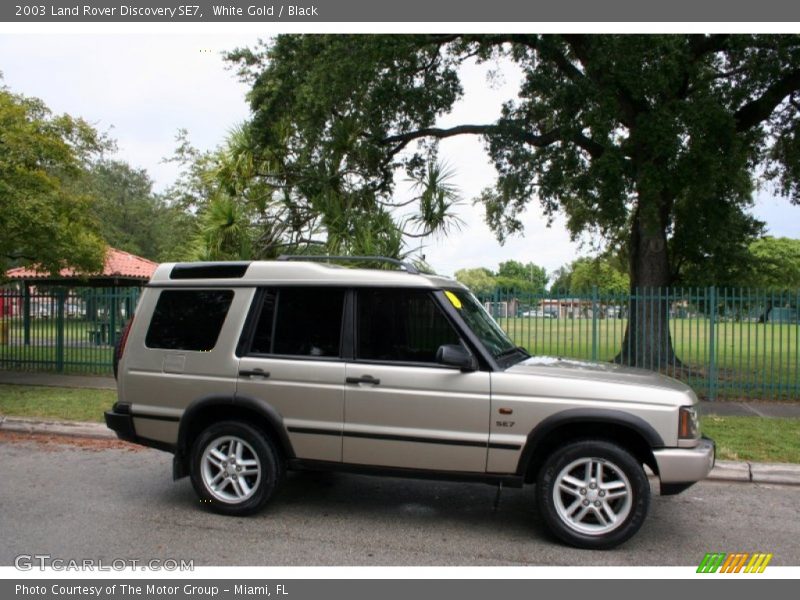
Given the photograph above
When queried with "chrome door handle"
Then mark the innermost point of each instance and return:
(364, 379)
(254, 373)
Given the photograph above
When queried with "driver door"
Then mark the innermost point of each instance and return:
(402, 408)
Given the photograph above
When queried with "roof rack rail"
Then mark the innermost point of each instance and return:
(409, 268)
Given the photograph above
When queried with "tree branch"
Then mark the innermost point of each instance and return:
(594, 149)
(401, 140)
(405, 138)
(564, 65)
(759, 110)
(533, 139)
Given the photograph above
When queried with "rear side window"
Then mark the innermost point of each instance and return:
(188, 319)
(301, 321)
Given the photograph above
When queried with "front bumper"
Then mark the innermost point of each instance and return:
(678, 468)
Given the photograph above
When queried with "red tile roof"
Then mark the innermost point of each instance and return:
(118, 264)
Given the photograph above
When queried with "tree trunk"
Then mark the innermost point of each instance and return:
(764, 318)
(647, 342)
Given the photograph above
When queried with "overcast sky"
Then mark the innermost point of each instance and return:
(143, 88)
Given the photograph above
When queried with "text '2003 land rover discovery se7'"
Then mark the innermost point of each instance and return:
(244, 370)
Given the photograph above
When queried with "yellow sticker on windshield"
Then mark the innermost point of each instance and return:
(453, 299)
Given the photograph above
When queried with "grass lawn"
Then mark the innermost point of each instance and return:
(69, 404)
(754, 438)
(738, 438)
(738, 344)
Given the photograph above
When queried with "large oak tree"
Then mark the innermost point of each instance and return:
(653, 142)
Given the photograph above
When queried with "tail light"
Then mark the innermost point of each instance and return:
(120, 349)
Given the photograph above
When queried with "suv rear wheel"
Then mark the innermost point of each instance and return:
(592, 494)
(235, 468)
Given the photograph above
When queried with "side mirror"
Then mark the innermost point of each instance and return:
(455, 355)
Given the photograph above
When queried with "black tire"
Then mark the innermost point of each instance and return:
(596, 529)
(231, 498)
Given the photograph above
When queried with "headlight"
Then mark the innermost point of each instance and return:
(688, 424)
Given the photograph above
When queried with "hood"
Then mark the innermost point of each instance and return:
(595, 371)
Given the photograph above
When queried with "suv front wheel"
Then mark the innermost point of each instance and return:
(592, 494)
(235, 468)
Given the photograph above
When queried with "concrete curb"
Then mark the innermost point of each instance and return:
(728, 470)
(69, 428)
(724, 470)
(753, 472)
(775, 473)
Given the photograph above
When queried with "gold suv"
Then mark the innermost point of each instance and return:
(244, 370)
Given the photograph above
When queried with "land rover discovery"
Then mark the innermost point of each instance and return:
(243, 370)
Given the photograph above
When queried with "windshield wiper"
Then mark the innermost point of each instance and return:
(511, 351)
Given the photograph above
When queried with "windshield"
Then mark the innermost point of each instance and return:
(481, 323)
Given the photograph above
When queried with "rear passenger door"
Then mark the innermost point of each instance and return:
(402, 408)
(293, 361)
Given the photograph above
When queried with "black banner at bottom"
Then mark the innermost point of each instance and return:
(392, 589)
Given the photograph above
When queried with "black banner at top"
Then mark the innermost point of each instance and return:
(451, 11)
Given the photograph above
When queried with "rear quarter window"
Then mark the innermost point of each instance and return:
(188, 319)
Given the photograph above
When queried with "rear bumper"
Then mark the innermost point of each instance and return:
(120, 420)
(678, 468)
(121, 423)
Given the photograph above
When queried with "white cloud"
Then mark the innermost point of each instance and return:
(142, 88)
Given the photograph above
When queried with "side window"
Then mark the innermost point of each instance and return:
(262, 337)
(400, 326)
(300, 321)
(188, 319)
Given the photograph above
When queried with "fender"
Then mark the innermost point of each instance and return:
(585, 415)
(262, 408)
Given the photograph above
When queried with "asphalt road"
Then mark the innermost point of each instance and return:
(115, 503)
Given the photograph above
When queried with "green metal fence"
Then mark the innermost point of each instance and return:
(725, 343)
(62, 329)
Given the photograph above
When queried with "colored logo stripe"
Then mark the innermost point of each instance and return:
(711, 562)
(758, 563)
(734, 563)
